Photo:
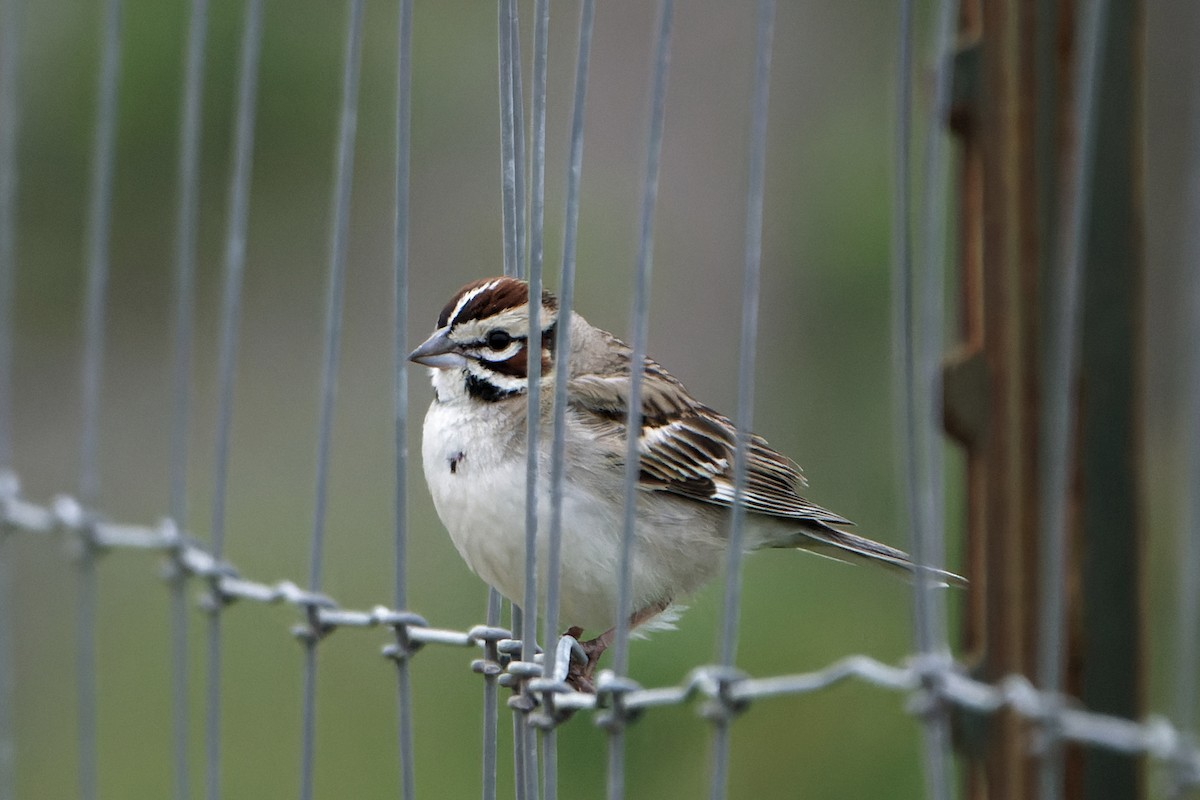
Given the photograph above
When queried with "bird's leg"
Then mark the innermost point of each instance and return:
(580, 675)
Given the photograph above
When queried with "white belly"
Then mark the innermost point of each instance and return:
(477, 478)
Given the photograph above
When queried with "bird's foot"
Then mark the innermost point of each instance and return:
(581, 677)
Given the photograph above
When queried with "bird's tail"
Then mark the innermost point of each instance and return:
(851, 548)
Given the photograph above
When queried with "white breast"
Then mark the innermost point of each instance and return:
(475, 465)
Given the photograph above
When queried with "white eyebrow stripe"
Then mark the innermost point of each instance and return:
(468, 297)
(513, 320)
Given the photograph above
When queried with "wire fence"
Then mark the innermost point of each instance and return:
(509, 657)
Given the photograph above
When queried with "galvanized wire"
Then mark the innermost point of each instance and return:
(508, 159)
(11, 26)
(404, 729)
(184, 302)
(97, 246)
(95, 298)
(903, 377)
(533, 419)
(933, 680)
(10, 39)
(1059, 380)
(902, 306)
(1187, 632)
(340, 216)
(751, 287)
(1155, 736)
(926, 347)
(524, 765)
(639, 326)
(8, 744)
(562, 347)
(509, 202)
(512, 130)
(489, 667)
(537, 202)
(231, 302)
(518, 133)
(922, 341)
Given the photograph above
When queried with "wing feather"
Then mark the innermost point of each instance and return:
(688, 449)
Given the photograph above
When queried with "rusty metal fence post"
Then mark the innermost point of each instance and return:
(1014, 113)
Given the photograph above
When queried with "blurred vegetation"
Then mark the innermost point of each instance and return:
(823, 395)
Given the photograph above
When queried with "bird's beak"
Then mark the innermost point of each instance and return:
(438, 351)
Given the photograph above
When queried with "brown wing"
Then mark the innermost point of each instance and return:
(688, 449)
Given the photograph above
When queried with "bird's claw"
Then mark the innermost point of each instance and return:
(581, 676)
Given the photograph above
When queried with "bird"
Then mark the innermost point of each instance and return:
(474, 456)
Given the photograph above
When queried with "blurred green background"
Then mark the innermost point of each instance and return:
(824, 375)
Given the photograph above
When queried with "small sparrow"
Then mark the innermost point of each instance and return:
(474, 456)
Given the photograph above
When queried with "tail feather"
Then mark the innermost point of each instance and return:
(851, 548)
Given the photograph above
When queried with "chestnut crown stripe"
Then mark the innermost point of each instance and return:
(488, 297)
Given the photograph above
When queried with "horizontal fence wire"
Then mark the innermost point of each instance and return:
(926, 681)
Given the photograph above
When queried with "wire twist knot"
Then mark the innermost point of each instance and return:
(404, 647)
(492, 664)
(611, 691)
(931, 695)
(719, 685)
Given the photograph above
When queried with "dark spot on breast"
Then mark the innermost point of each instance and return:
(455, 460)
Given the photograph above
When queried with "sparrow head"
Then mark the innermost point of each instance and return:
(481, 343)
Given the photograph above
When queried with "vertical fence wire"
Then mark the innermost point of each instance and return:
(340, 220)
(751, 282)
(1187, 634)
(925, 351)
(918, 347)
(508, 208)
(533, 420)
(95, 298)
(537, 199)
(1059, 379)
(521, 759)
(508, 164)
(517, 106)
(903, 377)
(10, 38)
(513, 194)
(98, 235)
(10, 63)
(490, 702)
(400, 265)
(562, 347)
(639, 327)
(920, 475)
(184, 301)
(924, 284)
(231, 301)
(524, 745)
(1187, 649)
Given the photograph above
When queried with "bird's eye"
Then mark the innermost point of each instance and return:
(498, 339)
